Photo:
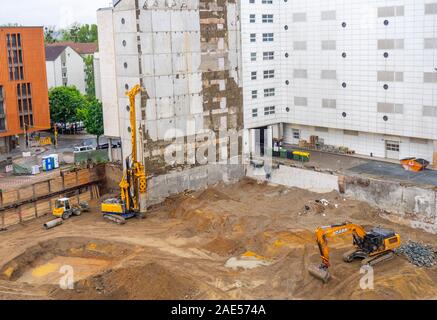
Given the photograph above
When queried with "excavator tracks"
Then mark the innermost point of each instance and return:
(114, 218)
(371, 261)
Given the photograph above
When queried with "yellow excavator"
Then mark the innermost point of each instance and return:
(133, 186)
(372, 246)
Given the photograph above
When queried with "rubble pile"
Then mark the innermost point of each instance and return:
(419, 254)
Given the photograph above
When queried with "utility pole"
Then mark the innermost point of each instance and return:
(56, 135)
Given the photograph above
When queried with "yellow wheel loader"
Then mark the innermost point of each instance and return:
(64, 209)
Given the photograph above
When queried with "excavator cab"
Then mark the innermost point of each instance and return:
(61, 206)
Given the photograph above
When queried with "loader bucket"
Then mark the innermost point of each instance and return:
(319, 272)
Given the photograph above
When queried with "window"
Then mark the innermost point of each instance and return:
(329, 103)
(254, 94)
(300, 74)
(252, 1)
(252, 18)
(15, 56)
(270, 92)
(253, 37)
(384, 107)
(329, 15)
(393, 11)
(269, 55)
(430, 111)
(300, 101)
(385, 44)
(269, 74)
(269, 110)
(329, 45)
(253, 75)
(267, 18)
(430, 77)
(430, 43)
(390, 76)
(2, 111)
(329, 75)
(431, 8)
(299, 45)
(267, 37)
(392, 146)
(25, 108)
(351, 133)
(267, 1)
(254, 113)
(321, 129)
(299, 17)
(296, 134)
(253, 56)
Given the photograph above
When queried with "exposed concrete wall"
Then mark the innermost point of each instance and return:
(194, 179)
(409, 204)
(298, 178)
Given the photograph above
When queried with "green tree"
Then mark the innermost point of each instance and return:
(49, 33)
(80, 33)
(64, 103)
(92, 116)
(89, 76)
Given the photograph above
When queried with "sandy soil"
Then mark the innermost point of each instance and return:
(245, 241)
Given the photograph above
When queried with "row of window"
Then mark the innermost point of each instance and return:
(382, 76)
(15, 56)
(268, 74)
(2, 111)
(268, 55)
(265, 18)
(382, 107)
(270, 110)
(266, 37)
(383, 12)
(270, 92)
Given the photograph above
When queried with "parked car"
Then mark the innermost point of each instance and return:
(106, 146)
(83, 149)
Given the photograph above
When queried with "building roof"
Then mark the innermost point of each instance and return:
(53, 52)
(81, 48)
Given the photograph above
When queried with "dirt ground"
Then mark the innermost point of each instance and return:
(244, 241)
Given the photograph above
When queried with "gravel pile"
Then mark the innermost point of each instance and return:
(419, 254)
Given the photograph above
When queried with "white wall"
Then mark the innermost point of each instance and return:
(359, 70)
(97, 79)
(75, 70)
(107, 73)
(54, 73)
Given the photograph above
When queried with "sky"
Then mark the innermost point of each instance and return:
(59, 13)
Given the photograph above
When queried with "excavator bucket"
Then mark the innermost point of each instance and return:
(319, 272)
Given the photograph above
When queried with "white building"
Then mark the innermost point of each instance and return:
(185, 54)
(65, 67)
(360, 74)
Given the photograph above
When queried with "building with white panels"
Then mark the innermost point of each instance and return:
(358, 73)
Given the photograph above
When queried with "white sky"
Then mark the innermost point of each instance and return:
(60, 13)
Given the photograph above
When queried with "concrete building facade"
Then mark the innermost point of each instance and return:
(186, 55)
(359, 74)
(65, 67)
(24, 103)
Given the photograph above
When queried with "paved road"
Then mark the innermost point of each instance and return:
(395, 171)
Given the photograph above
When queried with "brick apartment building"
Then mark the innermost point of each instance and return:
(24, 103)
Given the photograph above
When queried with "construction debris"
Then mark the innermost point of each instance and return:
(419, 254)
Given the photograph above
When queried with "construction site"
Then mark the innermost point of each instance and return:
(213, 199)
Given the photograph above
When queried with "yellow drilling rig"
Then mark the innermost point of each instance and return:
(133, 186)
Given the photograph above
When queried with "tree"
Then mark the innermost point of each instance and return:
(64, 103)
(80, 33)
(92, 116)
(89, 76)
(49, 34)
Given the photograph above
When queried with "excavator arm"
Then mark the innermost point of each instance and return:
(323, 233)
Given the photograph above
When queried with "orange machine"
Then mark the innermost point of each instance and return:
(413, 164)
